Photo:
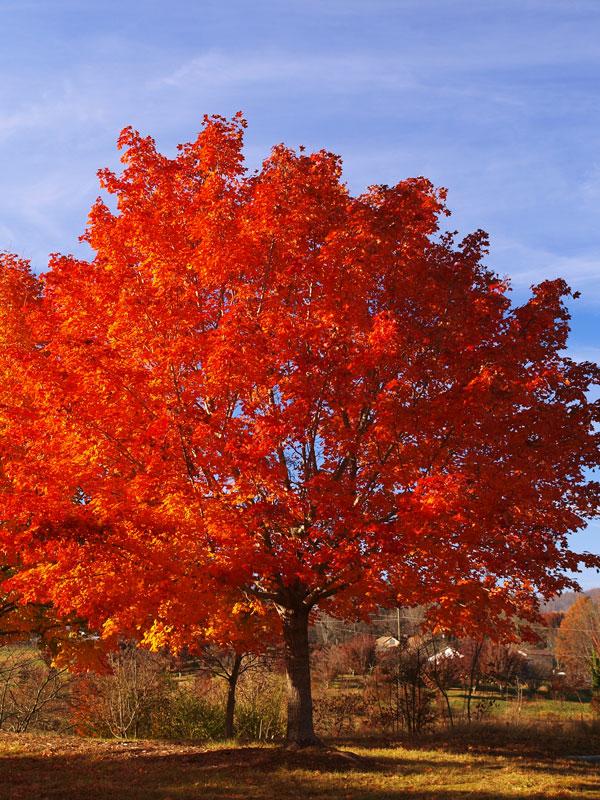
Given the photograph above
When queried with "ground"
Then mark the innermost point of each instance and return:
(47, 767)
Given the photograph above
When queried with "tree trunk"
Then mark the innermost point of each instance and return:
(231, 687)
(300, 731)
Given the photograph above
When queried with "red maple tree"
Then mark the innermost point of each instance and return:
(264, 396)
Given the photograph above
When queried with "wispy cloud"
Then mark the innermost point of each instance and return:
(511, 49)
(66, 108)
(584, 353)
(590, 187)
(216, 68)
(527, 266)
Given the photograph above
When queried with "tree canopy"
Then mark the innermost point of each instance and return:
(264, 395)
(578, 640)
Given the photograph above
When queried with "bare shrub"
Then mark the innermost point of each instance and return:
(121, 703)
(339, 714)
(359, 654)
(33, 694)
(261, 706)
(472, 651)
(443, 669)
(356, 656)
(504, 665)
(230, 665)
(327, 663)
(191, 710)
(399, 695)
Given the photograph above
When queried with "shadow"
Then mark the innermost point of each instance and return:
(152, 772)
(566, 741)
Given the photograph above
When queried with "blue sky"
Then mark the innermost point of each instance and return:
(498, 100)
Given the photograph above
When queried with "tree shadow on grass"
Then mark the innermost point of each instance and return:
(516, 741)
(256, 773)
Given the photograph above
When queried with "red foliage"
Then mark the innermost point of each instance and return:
(262, 383)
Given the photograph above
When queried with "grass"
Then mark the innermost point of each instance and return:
(530, 709)
(470, 764)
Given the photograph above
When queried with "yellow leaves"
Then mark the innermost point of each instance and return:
(158, 636)
(110, 628)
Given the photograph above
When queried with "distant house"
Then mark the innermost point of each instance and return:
(386, 642)
(449, 652)
(539, 662)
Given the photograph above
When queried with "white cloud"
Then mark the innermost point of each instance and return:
(67, 106)
(527, 266)
(215, 68)
(416, 57)
(580, 352)
(590, 187)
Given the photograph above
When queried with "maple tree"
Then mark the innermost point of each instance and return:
(578, 640)
(264, 396)
(19, 291)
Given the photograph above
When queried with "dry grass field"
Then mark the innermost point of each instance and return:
(473, 767)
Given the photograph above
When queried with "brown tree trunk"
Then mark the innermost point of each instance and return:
(231, 687)
(300, 731)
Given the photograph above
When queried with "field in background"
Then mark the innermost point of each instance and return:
(533, 707)
(487, 704)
